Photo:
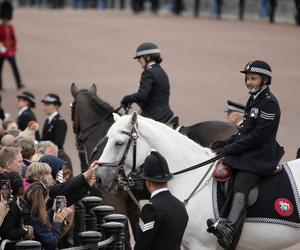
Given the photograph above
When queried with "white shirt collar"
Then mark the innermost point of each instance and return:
(256, 95)
(150, 64)
(158, 191)
(50, 117)
(22, 110)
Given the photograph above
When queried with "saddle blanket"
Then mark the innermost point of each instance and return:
(278, 200)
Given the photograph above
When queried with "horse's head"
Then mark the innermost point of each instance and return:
(125, 150)
(88, 109)
(79, 104)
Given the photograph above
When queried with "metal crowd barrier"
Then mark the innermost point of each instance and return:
(95, 227)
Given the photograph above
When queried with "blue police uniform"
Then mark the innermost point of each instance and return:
(153, 94)
(164, 218)
(255, 148)
(55, 131)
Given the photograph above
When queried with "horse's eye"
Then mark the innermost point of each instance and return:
(119, 143)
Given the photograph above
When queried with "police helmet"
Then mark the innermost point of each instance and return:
(261, 68)
(147, 48)
(156, 168)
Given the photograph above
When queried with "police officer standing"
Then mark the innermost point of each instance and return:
(253, 152)
(164, 218)
(26, 101)
(154, 90)
(55, 127)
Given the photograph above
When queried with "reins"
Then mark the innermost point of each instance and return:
(212, 160)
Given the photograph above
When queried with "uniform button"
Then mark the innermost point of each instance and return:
(244, 119)
(241, 126)
(239, 133)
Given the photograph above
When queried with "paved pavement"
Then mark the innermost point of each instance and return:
(202, 57)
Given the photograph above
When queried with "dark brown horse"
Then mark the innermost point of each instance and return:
(92, 117)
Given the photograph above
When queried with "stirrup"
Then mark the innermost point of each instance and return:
(222, 231)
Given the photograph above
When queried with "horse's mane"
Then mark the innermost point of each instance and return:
(143, 121)
(98, 101)
(102, 103)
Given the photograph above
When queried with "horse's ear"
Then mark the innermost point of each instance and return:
(93, 89)
(116, 116)
(134, 119)
(74, 89)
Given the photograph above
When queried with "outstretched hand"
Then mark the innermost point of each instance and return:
(90, 174)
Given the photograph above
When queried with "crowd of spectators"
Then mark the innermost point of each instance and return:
(266, 9)
(32, 174)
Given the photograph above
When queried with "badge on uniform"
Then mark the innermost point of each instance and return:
(254, 112)
(267, 116)
(50, 128)
(146, 226)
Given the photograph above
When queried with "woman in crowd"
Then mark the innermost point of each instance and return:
(74, 190)
(47, 224)
(13, 227)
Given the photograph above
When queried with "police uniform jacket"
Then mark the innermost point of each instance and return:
(254, 148)
(55, 131)
(154, 93)
(162, 223)
(26, 117)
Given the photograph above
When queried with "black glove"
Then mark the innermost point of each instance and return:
(216, 145)
(126, 101)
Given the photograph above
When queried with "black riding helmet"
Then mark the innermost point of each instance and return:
(261, 68)
(147, 49)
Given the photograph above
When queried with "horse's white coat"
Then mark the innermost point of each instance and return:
(181, 152)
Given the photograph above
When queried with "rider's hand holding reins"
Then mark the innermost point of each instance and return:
(90, 174)
(126, 101)
(217, 147)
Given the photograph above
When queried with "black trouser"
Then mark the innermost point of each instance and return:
(273, 5)
(244, 181)
(219, 4)
(241, 9)
(297, 17)
(13, 63)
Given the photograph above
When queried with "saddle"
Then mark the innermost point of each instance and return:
(223, 174)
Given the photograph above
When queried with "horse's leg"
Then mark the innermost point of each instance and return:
(133, 215)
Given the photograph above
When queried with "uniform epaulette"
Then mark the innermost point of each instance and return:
(268, 96)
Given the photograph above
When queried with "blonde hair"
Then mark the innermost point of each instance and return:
(37, 170)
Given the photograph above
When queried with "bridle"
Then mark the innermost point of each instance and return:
(127, 182)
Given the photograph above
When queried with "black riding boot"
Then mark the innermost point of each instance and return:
(225, 231)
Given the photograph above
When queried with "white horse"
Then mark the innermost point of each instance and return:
(181, 152)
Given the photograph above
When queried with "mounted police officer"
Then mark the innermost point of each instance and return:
(154, 90)
(253, 152)
(164, 218)
(55, 127)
